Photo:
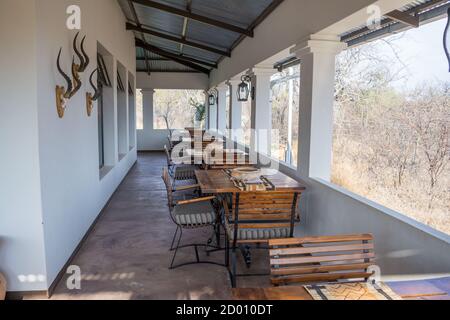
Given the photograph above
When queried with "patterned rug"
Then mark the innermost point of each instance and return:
(352, 291)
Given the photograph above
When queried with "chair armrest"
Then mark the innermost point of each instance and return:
(183, 188)
(196, 200)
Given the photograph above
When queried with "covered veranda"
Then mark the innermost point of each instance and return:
(97, 200)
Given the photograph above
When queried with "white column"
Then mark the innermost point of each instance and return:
(261, 119)
(235, 115)
(317, 54)
(147, 106)
(221, 109)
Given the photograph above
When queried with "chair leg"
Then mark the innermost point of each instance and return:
(227, 252)
(217, 227)
(174, 182)
(227, 257)
(173, 240)
(233, 267)
(176, 249)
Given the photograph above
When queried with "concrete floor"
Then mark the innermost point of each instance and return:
(126, 256)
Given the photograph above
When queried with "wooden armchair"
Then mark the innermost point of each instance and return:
(179, 172)
(258, 217)
(318, 260)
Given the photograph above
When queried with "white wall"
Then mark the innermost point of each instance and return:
(150, 139)
(21, 232)
(403, 246)
(56, 193)
(172, 80)
(72, 193)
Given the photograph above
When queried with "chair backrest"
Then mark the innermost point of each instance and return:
(313, 260)
(169, 158)
(264, 209)
(168, 183)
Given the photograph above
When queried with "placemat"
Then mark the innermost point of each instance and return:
(352, 291)
(263, 184)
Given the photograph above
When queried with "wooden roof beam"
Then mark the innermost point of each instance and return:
(174, 57)
(403, 17)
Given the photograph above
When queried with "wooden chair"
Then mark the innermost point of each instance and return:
(189, 214)
(179, 172)
(256, 218)
(317, 260)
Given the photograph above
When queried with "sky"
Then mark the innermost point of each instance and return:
(422, 51)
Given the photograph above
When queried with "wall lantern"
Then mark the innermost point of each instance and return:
(447, 38)
(213, 97)
(244, 89)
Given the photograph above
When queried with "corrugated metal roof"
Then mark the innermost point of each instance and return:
(239, 13)
(425, 9)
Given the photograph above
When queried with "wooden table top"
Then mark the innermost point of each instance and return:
(273, 293)
(225, 152)
(217, 181)
(193, 140)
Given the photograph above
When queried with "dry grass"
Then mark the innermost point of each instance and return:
(410, 199)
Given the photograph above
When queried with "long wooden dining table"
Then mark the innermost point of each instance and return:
(218, 182)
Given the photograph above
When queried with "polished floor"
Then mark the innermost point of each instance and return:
(126, 256)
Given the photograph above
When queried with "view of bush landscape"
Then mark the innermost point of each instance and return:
(174, 109)
(392, 127)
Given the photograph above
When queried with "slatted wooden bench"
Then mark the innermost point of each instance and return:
(326, 259)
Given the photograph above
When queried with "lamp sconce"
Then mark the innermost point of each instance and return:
(213, 97)
(244, 90)
(90, 98)
(74, 84)
(447, 38)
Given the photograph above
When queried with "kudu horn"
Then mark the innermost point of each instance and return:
(62, 94)
(84, 59)
(65, 76)
(91, 98)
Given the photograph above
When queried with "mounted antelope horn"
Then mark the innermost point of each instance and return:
(65, 76)
(81, 65)
(91, 98)
(62, 95)
(96, 91)
(76, 78)
(86, 57)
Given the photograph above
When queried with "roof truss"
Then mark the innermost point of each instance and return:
(172, 56)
